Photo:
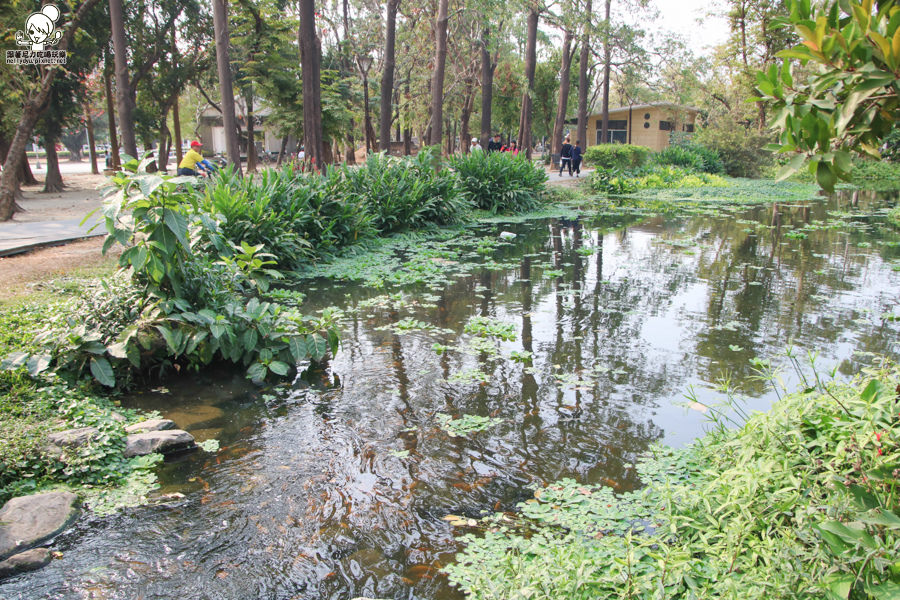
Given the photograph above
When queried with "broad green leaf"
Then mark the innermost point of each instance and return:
(38, 364)
(103, 372)
(297, 345)
(14, 360)
(257, 372)
(278, 367)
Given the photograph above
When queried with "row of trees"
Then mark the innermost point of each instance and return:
(149, 65)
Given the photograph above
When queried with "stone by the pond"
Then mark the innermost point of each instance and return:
(151, 425)
(27, 521)
(168, 441)
(507, 235)
(29, 560)
(73, 437)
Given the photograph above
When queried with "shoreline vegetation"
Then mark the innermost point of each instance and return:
(800, 501)
(198, 284)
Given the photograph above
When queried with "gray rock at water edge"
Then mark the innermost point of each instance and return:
(171, 440)
(70, 438)
(27, 521)
(507, 235)
(30, 560)
(151, 425)
(73, 437)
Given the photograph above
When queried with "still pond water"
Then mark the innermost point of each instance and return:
(337, 485)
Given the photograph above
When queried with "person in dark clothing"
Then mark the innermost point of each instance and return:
(565, 157)
(576, 158)
(495, 145)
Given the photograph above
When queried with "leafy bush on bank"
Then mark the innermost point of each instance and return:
(186, 296)
(615, 181)
(690, 156)
(801, 502)
(742, 149)
(499, 182)
(617, 156)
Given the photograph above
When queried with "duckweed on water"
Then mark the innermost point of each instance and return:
(465, 425)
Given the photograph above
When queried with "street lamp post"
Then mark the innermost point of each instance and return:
(365, 63)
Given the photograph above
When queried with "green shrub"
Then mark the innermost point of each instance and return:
(800, 502)
(296, 216)
(894, 216)
(691, 156)
(406, 193)
(614, 181)
(259, 210)
(616, 156)
(500, 182)
(883, 176)
(741, 149)
(185, 297)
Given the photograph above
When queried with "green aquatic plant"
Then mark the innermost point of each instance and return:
(469, 376)
(801, 502)
(465, 424)
(488, 327)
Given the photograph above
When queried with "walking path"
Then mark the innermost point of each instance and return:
(16, 238)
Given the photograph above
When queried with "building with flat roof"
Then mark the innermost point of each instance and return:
(642, 124)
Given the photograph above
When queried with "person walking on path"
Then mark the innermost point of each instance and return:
(576, 159)
(476, 146)
(512, 148)
(565, 157)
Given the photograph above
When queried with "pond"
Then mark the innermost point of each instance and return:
(346, 482)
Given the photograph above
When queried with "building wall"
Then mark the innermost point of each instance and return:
(651, 136)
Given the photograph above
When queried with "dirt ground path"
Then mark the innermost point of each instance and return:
(22, 274)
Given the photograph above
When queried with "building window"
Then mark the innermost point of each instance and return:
(613, 124)
(646, 125)
(689, 128)
(646, 116)
(613, 136)
(666, 126)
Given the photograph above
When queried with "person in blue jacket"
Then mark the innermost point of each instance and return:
(576, 159)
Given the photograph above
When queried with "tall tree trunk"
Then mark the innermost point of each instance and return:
(115, 161)
(176, 118)
(89, 124)
(530, 64)
(468, 104)
(284, 141)
(583, 76)
(563, 101)
(407, 131)
(123, 87)
(350, 146)
(26, 177)
(220, 24)
(31, 111)
(487, 88)
(162, 152)
(437, 81)
(387, 77)
(251, 137)
(53, 182)
(397, 112)
(312, 93)
(176, 123)
(607, 58)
